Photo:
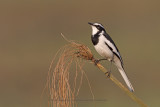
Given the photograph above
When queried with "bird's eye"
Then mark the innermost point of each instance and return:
(98, 27)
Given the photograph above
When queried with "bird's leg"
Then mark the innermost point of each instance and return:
(110, 69)
(98, 60)
(109, 72)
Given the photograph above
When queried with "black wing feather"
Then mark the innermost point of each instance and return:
(110, 39)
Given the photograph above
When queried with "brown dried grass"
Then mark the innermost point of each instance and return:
(61, 92)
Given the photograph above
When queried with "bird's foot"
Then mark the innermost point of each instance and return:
(96, 61)
(108, 73)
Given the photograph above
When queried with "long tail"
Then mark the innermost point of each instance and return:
(126, 79)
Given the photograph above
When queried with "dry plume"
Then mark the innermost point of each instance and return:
(61, 92)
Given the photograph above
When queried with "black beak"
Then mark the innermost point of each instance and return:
(90, 23)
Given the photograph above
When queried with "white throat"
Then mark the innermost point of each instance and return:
(94, 30)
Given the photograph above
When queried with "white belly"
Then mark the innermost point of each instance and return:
(103, 49)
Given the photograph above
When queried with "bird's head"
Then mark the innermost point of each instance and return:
(96, 27)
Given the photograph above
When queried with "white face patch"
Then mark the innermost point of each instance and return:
(94, 30)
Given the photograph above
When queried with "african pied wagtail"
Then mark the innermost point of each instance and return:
(106, 47)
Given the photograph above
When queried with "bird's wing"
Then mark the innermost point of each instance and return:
(110, 43)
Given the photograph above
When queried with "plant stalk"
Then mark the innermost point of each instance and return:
(119, 84)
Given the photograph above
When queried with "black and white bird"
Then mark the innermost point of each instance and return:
(106, 47)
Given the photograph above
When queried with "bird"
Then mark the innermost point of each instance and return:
(106, 47)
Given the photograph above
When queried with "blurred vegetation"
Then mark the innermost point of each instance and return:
(30, 36)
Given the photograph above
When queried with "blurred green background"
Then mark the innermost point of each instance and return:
(30, 36)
